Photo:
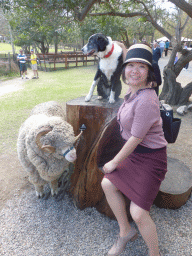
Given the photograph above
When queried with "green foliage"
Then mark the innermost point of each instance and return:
(142, 19)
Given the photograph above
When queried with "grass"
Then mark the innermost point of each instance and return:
(60, 86)
(5, 48)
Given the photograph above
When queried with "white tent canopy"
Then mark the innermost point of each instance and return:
(183, 39)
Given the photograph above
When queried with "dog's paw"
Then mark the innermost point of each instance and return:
(87, 98)
(99, 97)
(111, 101)
(112, 97)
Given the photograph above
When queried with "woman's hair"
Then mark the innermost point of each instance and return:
(150, 78)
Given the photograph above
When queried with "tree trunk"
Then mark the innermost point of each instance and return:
(185, 94)
(172, 92)
(171, 89)
(56, 42)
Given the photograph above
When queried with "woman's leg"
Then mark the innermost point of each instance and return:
(146, 227)
(117, 203)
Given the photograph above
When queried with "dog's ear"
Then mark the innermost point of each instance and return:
(102, 42)
(100, 36)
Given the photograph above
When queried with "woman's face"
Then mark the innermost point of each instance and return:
(136, 73)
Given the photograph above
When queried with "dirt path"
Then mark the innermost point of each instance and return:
(13, 84)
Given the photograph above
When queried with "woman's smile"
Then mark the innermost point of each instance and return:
(136, 73)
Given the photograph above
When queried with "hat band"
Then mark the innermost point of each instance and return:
(139, 54)
(137, 60)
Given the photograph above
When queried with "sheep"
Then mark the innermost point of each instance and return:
(45, 146)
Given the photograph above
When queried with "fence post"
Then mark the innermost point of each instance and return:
(9, 58)
(66, 61)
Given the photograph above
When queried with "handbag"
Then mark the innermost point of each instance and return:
(171, 125)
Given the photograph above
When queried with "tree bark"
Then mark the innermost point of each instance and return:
(172, 92)
(183, 5)
(185, 94)
(171, 89)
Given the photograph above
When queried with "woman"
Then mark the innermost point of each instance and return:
(140, 166)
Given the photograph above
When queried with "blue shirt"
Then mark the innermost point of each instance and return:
(21, 58)
(156, 54)
(167, 44)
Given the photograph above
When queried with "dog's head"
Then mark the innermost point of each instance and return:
(98, 44)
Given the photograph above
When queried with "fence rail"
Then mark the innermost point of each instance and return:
(50, 61)
(65, 58)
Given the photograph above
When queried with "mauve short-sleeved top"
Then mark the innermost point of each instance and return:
(139, 116)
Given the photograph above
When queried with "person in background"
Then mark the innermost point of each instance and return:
(176, 58)
(162, 46)
(140, 166)
(34, 64)
(187, 65)
(156, 52)
(155, 65)
(166, 47)
(21, 57)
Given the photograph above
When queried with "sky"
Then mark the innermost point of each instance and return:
(165, 4)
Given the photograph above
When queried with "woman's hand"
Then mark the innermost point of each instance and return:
(109, 167)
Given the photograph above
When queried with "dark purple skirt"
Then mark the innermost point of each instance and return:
(140, 175)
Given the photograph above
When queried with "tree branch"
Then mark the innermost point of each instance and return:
(81, 15)
(134, 14)
(183, 5)
(185, 23)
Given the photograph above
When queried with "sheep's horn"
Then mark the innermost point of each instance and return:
(82, 128)
(43, 131)
(78, 136)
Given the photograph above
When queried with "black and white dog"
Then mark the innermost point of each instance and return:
(109, 70)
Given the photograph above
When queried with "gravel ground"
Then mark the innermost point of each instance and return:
(54, 227)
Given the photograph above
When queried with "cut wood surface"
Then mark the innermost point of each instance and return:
(176, 187)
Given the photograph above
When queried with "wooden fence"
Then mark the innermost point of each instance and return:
(50, 60)
(7, 63)
(5, 60)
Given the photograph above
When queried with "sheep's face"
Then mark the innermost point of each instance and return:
(70, 154)
(57, 140)
(63, 146)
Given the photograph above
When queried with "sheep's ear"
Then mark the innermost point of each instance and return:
(48, 149)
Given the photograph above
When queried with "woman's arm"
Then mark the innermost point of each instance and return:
(127, 149)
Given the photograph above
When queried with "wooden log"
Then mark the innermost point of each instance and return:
(176, 188)
(86, 179)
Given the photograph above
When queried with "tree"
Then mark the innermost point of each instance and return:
(172, 91)
(38, 22)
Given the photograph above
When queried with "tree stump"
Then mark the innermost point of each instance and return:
(96, 147)
(176, 188)
(86, 179)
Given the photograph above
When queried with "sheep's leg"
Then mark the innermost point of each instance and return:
(54, 187)
(39, 190)
(37, 181)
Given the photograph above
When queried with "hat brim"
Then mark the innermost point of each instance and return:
(138, 60)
